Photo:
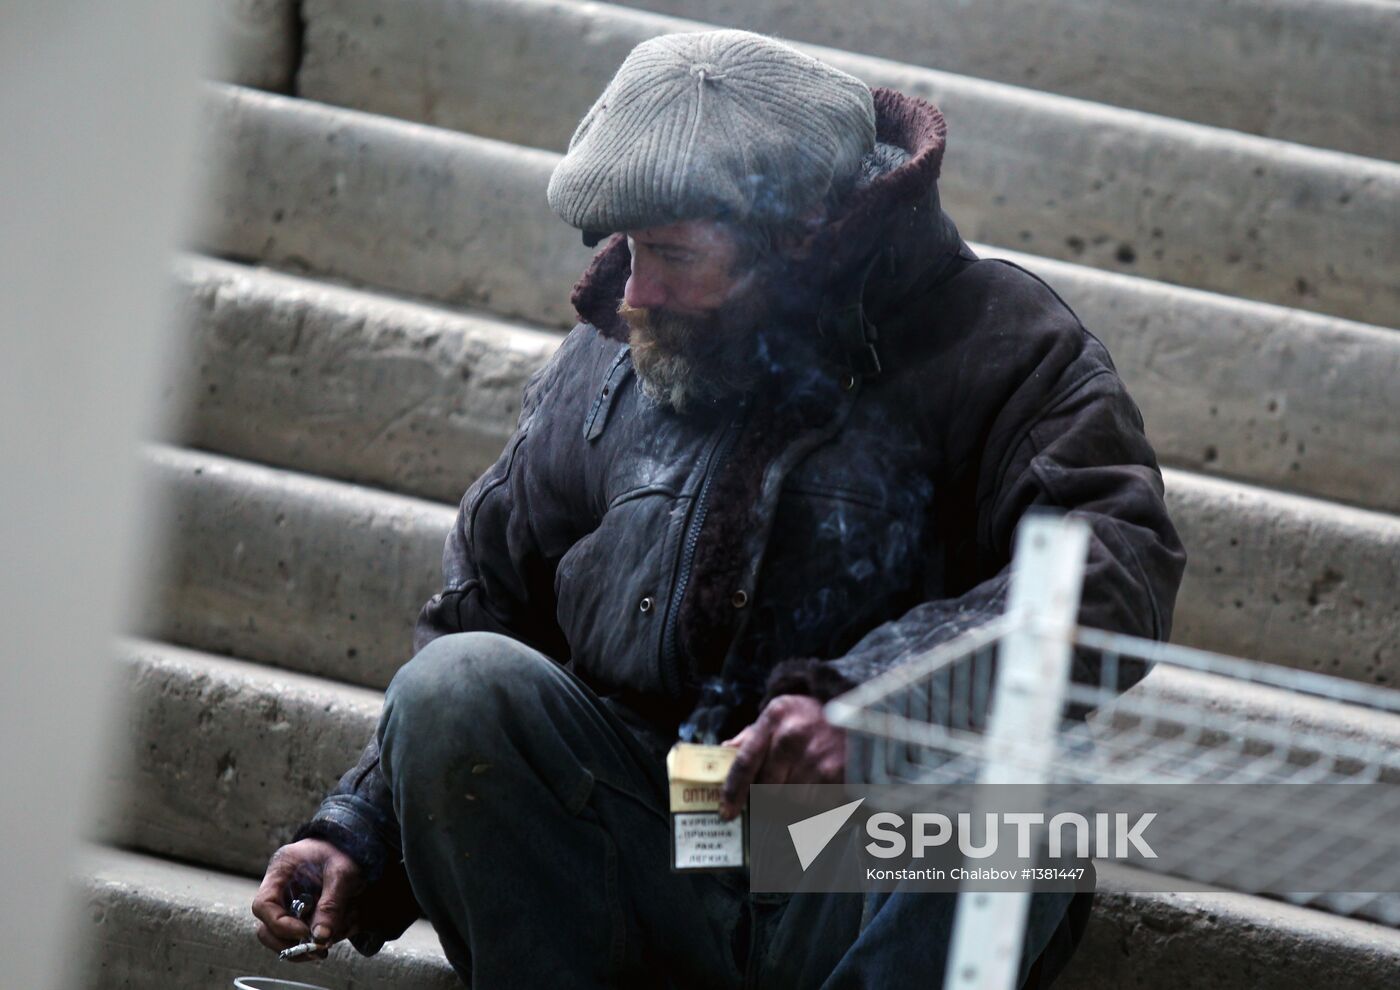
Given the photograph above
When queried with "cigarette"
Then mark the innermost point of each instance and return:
(302, 949)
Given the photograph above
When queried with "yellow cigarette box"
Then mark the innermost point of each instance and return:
(700, 839)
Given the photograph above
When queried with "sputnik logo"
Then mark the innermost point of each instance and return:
(811, 835)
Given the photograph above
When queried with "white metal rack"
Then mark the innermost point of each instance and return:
(999, 705)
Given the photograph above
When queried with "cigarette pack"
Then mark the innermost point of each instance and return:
(700, 839)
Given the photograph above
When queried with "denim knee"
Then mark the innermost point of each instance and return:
(459, 687)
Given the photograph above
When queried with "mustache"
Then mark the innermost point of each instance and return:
(667, 330)
(656, 321)
(721, 341)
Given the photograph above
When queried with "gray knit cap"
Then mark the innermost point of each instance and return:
(712, 124)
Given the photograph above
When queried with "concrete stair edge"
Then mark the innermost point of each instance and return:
(227, 757)
(326, 576)
(261, 42)
(1220, 939)
(341, 172)
(403, 395)
(1214, 64)
(333, 574)
(147, 914)
(643, 23)
(345, 383)
(153, 924)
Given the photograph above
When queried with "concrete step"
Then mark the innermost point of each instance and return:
(463, 220)
(1286, 579)
(1259, 393)
(348, 384)
(327, 578)
(226, 757)
(157, 924)
(150, 924)
(1311, 71)
(406, 208)
(319, 576)
(1116, 189)
(222, 759)
(1220, 940)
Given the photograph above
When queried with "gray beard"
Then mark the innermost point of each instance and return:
(681, 384)
(684, 364)
(670, 380)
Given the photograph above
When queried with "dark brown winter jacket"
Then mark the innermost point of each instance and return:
(855, 511)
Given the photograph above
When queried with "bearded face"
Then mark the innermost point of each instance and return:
(705, 326)
(684, 362)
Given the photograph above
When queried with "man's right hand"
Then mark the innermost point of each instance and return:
(333, 920)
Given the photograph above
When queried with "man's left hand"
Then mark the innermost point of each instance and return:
(791, 743)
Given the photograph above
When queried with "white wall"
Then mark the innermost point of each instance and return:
(96, 114)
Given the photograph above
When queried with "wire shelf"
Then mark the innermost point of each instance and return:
(1196, 718)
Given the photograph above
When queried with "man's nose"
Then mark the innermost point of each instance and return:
(642, 291)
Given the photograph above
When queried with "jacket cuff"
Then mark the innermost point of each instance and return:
(815, 678)
(344, 826)
(367, 943)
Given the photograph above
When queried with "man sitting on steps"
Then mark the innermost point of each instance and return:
(784, 450)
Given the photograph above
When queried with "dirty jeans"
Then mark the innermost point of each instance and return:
(537, 841)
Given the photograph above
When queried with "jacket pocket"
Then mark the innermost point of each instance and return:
(613, 588)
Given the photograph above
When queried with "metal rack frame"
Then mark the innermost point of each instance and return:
(1032, 699)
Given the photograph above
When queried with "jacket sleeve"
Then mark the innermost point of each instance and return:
(1077, 446)
(495, 579)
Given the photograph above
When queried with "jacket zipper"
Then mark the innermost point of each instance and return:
(671, 654)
